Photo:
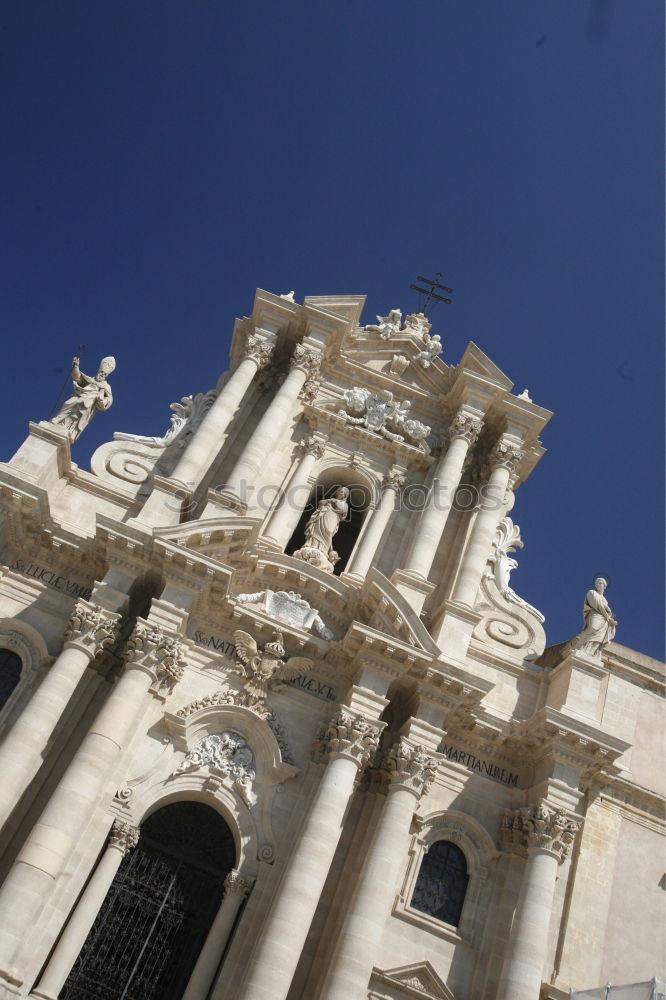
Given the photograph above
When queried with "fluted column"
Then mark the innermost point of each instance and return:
(284, 520)
(205, 443)
(379, 519)
(154, 662)
(410, 772)
(546, 834)
(347, 743)
(503, 462)
(463, 433)
(90, 630)
(236, 890)
(122, 839)
(243, 478)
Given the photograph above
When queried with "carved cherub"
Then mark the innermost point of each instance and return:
(264, 669)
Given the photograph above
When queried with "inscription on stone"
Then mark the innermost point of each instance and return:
(60, 583)
(320, 689)
(480, 765)
(215, 642)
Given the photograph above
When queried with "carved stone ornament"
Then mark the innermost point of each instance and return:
(539, 827)
(258, 350)
(227, 752)
(186, 417)
(263, 669)
(123, 836)
(306, 359)
(394, 480)
(235, 886)
(410, 767)
(505, 455)
(507, 540)
(386, 326)
(224, 698)
(288, 606)
(311, 445)
(92, 627)
(157, 653)
(374, 411)
(91, 393)
(467, 427)
(320, 529)
(432, 348)
(347, 734)
(399, 364)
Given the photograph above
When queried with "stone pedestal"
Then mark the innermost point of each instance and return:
(44, 458)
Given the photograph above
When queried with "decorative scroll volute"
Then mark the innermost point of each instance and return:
(259, 351)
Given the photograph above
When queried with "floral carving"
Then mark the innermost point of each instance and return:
(259, 350)
(374, 411)
(235, 886)
(311, 445)
(227, 753)
(92, 627)
(347, 734)
(410, 767)
(467, 427)
(539, 827)
(508, 540)
(505, 455)
(123, 836)
(306, 359)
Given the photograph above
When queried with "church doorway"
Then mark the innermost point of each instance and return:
(159, 909)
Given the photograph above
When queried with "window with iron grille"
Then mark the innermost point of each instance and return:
(442, 882)
(10, 671)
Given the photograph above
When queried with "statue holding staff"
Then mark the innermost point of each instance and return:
(91, 393)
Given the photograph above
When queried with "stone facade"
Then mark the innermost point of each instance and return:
(294, 609)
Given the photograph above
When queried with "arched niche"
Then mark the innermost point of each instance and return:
(364, 494)
(159, 908)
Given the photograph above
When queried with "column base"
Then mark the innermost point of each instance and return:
(453, 631)
(44, 457)
(414, 589)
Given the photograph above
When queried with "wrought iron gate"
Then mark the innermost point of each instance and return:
(157, 913)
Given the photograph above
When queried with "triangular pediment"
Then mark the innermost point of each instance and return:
(475, 361)
(418, 979)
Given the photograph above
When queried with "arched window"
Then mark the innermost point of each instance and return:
(442, 883)
(10, 671)
(159, 909)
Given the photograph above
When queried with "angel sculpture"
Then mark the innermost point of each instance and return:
(386, 326)
(432, 348)
(264, 669)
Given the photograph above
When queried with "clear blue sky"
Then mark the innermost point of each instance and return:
(162, 159)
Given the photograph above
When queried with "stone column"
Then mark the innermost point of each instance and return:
(245, 474)
(463, 433)
(284, 520)
(503, 461)
(90, 630)
(546, 834)
(347, 743)
(379, 518)
(410, 773)
(236, 890)
(122, 839)
(205, 444)
(154, 663)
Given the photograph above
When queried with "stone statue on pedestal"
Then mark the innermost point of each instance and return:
(321, 528)
(599, 622)
(91, 393)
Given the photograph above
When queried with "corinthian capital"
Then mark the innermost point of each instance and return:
(123, 836)
(539, 827)
(312, 445)
(236, 886)
(306, 359)
(467, 427)
(92, 627)
(505, 455)
(394, 480)
(159, 654)
(258, 350)
(348, 735)
(410, 767)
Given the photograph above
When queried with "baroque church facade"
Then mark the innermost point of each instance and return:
(276, 726)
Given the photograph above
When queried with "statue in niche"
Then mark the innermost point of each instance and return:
(91, 393)
(264, 669)
(386, 326)
(320, 529)
(599, 622)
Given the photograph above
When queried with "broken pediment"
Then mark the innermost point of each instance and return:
(415, 980)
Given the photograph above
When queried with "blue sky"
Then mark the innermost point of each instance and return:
(163, 159)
